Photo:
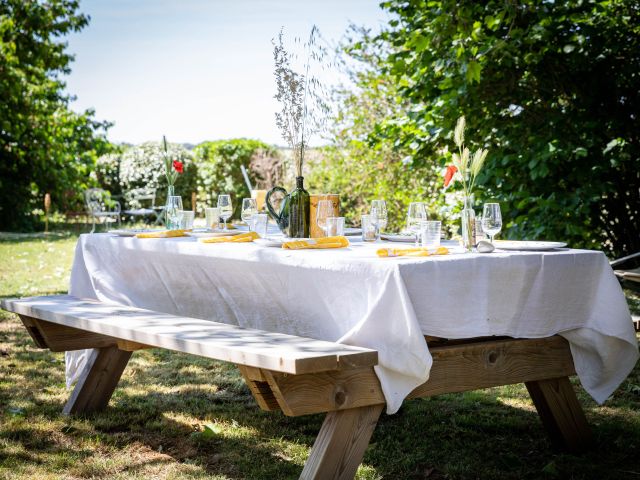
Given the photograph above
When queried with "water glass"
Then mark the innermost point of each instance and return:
(226, 209)
(379, 209)
(430, 233)
(335, 226)
(323, 212)
(187, 219)
(370, 232)
(416, 215)
(249, 209)
(173, 210)
(212, 217)
(491, 219)
(259, 221)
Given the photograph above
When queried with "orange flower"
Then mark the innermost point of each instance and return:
(448, 176)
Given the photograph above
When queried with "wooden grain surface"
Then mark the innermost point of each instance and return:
(456, 368)
(341, 443)
(561, 414)
(243, 346)
(98, 381)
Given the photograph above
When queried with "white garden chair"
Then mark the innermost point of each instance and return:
(100, 207)
(143, 203)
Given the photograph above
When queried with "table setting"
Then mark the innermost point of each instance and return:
(298, 268)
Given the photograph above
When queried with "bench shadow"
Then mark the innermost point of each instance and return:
(164, 400)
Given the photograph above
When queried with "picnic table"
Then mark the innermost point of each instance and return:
(436, 324)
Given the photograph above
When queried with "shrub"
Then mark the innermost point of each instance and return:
(219, 170)
(143, 166)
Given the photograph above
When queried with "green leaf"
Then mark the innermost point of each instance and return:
(473, 71)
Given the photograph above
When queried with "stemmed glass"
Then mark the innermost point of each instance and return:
(174, 212)
(249, 209)
(379, 212)
(324, 211)
(417, 214)
(226, 210)
(491, 219)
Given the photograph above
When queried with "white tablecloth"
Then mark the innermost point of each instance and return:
(352, 296)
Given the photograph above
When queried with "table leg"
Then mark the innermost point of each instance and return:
(98, 380)
(341, 443)
(561, 413)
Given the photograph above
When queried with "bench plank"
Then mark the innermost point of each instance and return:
(243, 346)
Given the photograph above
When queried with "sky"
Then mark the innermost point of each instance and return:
(194, 70)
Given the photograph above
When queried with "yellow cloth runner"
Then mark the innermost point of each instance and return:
(162, 234)
(326, 242)
(411, 252)
(242, 238)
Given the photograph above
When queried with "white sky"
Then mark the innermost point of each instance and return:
(194, 70)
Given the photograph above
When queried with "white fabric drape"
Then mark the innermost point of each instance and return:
(388, 304)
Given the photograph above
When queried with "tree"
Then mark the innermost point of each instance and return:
(44, 146)
(552, 89)
(363, 163)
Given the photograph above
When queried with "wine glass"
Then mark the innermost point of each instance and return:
(174, 212)
(249, 208)
(491, 219)
(324, 211)
(417, 214)
(226, 210)
(379, 211)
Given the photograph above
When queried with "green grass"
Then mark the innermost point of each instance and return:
(183, 417)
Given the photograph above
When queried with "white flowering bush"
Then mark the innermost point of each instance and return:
(143, 167)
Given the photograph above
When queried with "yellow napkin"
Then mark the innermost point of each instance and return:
(242, 238)
(411, 252)
(162, 234)
(326, 242)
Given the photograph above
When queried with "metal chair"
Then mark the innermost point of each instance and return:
(143, 203)
(629, 276)
(100, 207)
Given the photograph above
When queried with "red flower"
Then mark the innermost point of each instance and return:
(448, 176)
(178, 166)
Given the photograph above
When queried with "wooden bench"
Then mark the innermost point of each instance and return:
(302, 376)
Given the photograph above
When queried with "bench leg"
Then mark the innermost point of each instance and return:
(341, 443)
(561, 413)
(98, 381)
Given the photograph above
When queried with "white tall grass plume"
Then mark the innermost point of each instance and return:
(468, 166)
(458, 133)
(478, 161)
(302, 96)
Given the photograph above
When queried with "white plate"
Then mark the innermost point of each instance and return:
(397, 237)
(351, 232)
(133, 232)
(268, 242)
(527, 245)
(207, 233)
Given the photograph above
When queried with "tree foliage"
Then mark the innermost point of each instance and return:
(360, 164)
(550, 88)
(44, 146)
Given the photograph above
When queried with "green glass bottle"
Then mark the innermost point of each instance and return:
(299, 211)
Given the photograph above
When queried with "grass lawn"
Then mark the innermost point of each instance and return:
(182, 417)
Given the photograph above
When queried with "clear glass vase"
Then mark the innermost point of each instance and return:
(169, 224)
(468, 223)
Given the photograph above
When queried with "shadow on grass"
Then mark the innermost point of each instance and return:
(11, 237)
(19, 294)
(165, 399)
